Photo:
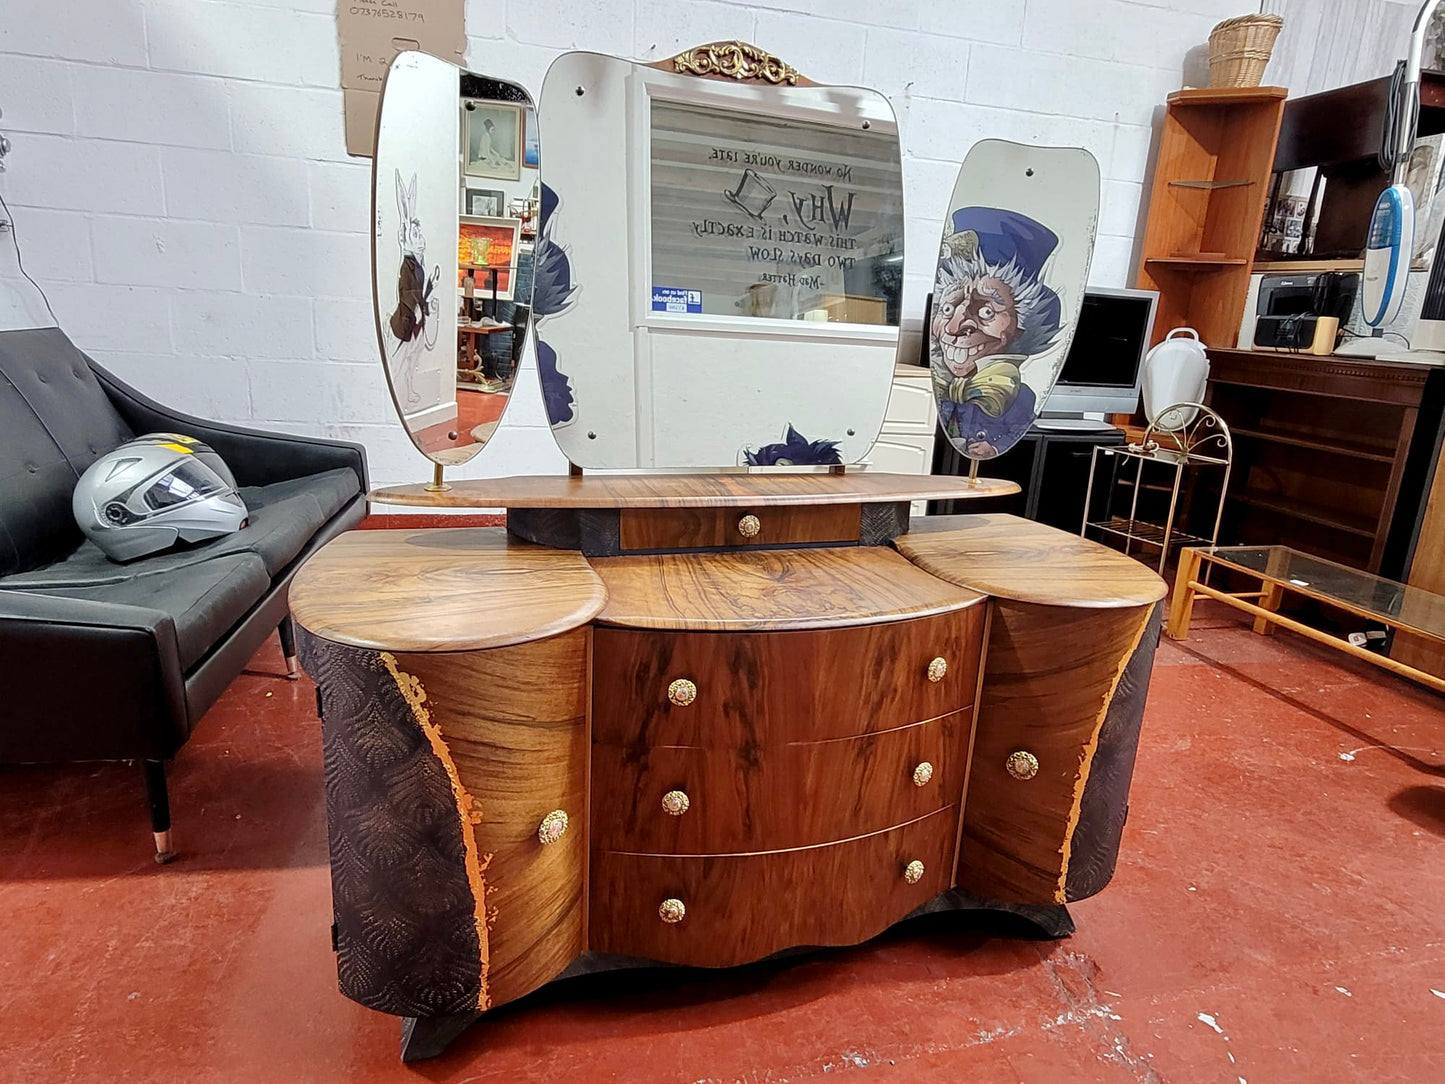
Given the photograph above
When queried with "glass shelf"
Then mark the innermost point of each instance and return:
(1198, 259)
(1210, 184)
(1363, 593)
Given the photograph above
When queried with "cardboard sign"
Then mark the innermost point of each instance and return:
(371, 33)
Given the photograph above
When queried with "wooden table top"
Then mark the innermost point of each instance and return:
(758, 590)
(692, 490)
(1014, 558)
(442, 589)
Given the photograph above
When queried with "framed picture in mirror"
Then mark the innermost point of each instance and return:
(487, 202)
(494, 140)
(488, 246)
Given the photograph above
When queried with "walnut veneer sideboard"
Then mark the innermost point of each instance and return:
(705, 730)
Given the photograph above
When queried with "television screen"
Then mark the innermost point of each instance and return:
(1108, 345)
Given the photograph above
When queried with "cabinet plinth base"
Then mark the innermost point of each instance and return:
(425, 1037)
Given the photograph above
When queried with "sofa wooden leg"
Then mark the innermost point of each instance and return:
(160, 807)
(287, 631)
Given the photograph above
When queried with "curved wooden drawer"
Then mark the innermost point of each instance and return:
(766, 688)
(744, 907)
(757, 798)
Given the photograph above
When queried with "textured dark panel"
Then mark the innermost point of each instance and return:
(595, 531)
(882, 523)
(555, 527)
(1105, 805)
(601, 530)
(405, 917)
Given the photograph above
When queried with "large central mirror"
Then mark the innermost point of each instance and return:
(455, 206)
(720, 267)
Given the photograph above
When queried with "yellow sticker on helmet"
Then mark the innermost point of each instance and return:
(176, 448)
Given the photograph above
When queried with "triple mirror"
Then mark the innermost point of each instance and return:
(716, 272)
(455, 198)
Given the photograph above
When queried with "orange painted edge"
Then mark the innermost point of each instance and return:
(469, 814)
(1087, 762)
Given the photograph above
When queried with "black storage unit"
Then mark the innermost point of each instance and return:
(1051, 467)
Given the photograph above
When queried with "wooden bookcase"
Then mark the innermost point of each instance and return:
(1331, 455)
(1211, 182)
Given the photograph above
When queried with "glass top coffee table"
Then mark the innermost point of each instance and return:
(1282, 570)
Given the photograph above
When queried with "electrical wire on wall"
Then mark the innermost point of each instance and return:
(7, 226)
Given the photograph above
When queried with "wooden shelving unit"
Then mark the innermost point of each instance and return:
(1331, 454)
(1211, 181)
(1338, 132)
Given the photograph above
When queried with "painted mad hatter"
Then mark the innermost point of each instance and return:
(991, 311)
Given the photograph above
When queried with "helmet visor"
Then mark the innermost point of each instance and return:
(188, 480)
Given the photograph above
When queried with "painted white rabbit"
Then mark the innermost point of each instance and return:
(414, 322)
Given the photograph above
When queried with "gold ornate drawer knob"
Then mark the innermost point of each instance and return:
(922, 774)
(749, 526)
(913, 872)
(682, 692)
(671, 911)
(675, 803)
(1022, 765)
(552, 828)
(937, 669)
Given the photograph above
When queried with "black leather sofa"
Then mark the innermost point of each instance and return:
(107, 661)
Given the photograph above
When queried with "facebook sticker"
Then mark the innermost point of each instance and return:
(673, 299)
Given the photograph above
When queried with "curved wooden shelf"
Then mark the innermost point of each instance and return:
(442, 590)
(692, 490)
(1019, 559)
(760, 590)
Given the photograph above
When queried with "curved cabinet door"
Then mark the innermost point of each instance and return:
(514, 722)
(443, 773)
(1057, 727)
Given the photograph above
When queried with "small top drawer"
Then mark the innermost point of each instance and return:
(642, 530)
(746, 689)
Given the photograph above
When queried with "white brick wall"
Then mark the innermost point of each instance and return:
(182, 192)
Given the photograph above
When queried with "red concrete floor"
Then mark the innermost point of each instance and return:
(1276, 917)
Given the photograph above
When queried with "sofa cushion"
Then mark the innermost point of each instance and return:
(204, 600)
(283, 517)
(55, 420)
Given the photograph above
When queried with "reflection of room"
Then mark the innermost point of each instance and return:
(499, 199)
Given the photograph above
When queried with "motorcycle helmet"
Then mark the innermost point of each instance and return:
(154, 491)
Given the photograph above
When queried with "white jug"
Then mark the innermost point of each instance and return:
(1175, 371)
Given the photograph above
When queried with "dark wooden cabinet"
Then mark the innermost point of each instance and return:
(1332, 456)
(1050, 467)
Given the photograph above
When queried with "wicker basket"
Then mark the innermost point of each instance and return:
(1239, 49)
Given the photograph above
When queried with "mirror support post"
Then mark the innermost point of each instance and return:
(436, 485)
(972, 471)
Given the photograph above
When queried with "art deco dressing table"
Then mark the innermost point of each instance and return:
(704, 718)
(703, 753)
